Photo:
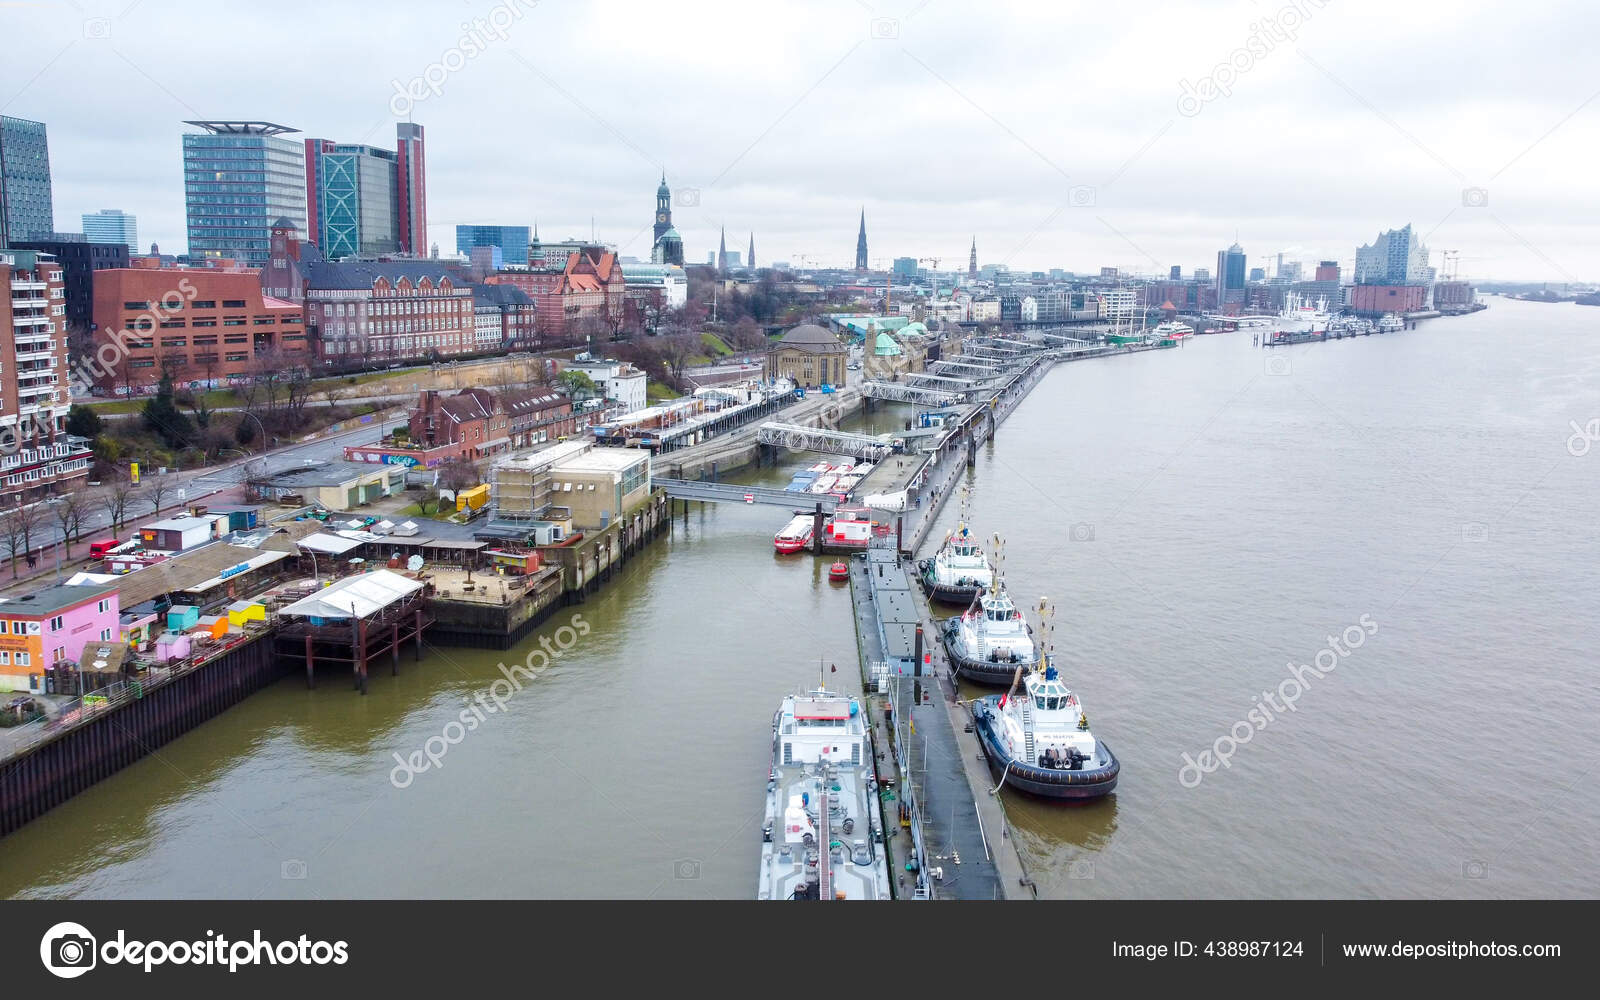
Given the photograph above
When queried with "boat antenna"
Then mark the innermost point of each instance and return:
(1047, 616)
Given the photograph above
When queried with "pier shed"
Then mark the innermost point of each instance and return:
(355, 620)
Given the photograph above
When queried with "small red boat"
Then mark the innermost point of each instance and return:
(839, 571)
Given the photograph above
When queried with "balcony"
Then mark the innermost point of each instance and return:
(26, 285)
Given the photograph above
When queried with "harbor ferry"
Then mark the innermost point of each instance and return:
(823, 835)
(991, 640)
(1038, 738)
(796, 535)
(1391, 323)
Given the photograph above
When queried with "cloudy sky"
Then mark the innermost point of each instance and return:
(1060, 134)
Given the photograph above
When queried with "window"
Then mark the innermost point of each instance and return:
(5, 657)
(57, 623)
(233, 303)
(103, 607)
(23, 659)
(58, 654)
(105, 635)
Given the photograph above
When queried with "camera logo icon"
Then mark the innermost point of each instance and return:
(68, 950)
(885, 28)
(1475, 197)
(1081, 196)
(1474, 869)
(1277, 364)
(1082, 868)
(1082, 531)
(97, 27)
(686, 197)
(686, 870)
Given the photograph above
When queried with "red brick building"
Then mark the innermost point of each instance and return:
(1388, 298)
(472, 421)
(205, 325)
(37, 457)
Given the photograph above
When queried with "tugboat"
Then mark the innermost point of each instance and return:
(823, 836)
(1038, 739)
(959, 571)
(989, 641)
(839, 572)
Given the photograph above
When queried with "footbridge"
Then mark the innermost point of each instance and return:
(690, 489)
(797, 437)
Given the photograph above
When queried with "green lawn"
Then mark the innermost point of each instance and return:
(715, 345)
(655, 392)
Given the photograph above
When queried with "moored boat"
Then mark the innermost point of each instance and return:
(1038, 738)
(988, 643)
(839, 572)
(795, 535)
(1391, 323)
(823, 833)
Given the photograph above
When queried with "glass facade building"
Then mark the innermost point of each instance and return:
(357, 201)
(239, 178)
(28, 210)
(112, 225)
(512, 241)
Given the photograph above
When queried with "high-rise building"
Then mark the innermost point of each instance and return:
(34, 376)
(351, 199)
(240, 177)
(1230, 275)
(1176, 273)
(905, 267)
(1396, 257)
(26, 208)
(1258, 274)
(512, 241)
(411, 187)
(366, 201)
(111, 225)
(861, 243)
(1328, 270)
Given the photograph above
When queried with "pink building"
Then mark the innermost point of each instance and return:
(48, 629)
(1388, 298)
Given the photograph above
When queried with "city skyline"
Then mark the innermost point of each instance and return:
(1153, 177)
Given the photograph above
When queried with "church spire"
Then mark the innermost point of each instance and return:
(861, 242)
(750, 258)
(722, 252)
(972, 262)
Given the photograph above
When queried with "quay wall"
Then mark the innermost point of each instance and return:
(42, 777)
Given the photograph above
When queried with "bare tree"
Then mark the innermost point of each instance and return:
(159, 491)
(676, 352)
(17, 528)
(69, 510)
(116, 501)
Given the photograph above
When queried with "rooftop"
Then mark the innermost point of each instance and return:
(335, 473)
(604, 460)
(53, 599)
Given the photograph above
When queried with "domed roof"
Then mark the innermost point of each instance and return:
(887, 347)
(284, 222)
(671, 234)
(811, 337)
(914, 330)
(662, 191)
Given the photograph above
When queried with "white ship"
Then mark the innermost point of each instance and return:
(823, 836)
(990, 641)
(1301, 315)
(1391, 323)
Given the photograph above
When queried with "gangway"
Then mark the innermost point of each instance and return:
(797, 437)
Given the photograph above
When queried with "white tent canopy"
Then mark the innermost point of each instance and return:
(364, 595)
(325, 542)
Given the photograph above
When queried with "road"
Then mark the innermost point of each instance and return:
(187, 487)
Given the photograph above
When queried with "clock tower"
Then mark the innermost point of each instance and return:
(663, 209)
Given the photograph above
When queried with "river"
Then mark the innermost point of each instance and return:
(1202, 518)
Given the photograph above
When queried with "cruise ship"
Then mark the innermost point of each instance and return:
(823, 835)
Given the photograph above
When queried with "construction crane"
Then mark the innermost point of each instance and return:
(929, 260)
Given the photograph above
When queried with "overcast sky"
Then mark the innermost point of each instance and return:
(1058, 134)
